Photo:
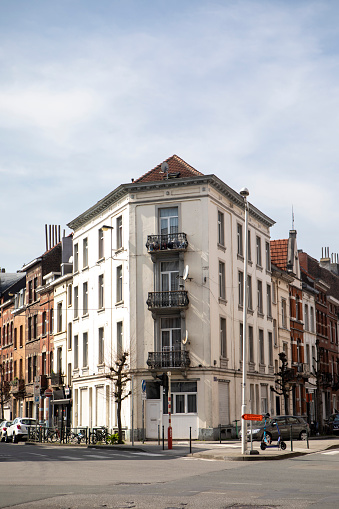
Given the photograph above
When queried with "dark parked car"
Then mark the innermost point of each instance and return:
(332, 426)
(299, 428)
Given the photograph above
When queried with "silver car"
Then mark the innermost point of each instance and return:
(287, 424)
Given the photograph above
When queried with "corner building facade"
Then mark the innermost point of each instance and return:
(158, 272)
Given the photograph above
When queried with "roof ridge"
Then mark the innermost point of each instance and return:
(174, 158)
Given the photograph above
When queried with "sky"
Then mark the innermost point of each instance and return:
(94, 93)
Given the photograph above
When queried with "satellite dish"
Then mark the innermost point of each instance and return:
(184, 341)
(164, 167)
(70, 260)
(186, 271)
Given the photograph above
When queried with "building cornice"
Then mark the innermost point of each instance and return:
(135, 187)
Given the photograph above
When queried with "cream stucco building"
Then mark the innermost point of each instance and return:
(158, 272)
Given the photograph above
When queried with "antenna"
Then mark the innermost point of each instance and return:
(186, 272)
(292, 218)
(165, 168)
(185, 339)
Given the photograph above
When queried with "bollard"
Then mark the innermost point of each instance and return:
(190, 440)
(163, 438)
(308, 446)
(291, 437)
(219, 433)
(158, 434)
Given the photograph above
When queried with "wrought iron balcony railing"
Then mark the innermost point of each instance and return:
(169, 300)
(17, 386)
(168, 359)
(56, 379)
(170, 241)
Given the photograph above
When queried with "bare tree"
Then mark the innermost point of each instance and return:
(120, 376)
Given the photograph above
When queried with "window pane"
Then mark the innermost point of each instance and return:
(180, 404)
(191, 403)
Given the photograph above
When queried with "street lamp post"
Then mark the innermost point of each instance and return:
(244, 193)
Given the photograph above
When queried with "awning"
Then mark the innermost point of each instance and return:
(61, 401)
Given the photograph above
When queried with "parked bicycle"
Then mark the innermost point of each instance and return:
(99, 435)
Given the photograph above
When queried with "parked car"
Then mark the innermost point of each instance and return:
(300, 428)
(332, 426)
(3, 430)
(18, 430)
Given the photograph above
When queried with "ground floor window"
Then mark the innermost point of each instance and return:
(184, 398)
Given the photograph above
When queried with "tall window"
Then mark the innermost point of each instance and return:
(69, 295)
(239, 239)
(261, 347)
(76, 352)
(311, 319)
(69, 334)
(29, 369)
(15, 338)
(44, 323)
(221, 230)
(30, 292)
(275, 332)
(283, 313)
(169, 220)
(59, 359)
(250, 344)
(241, 333)
(119, 232)
(35, 366)
(21, 335)
(297, 308)
(270, 349)
(59, 317)
(35, 326)
(101, 345)
(222, 281)
(76, 302)
(249, 293)
(241, 288)
(169, 276)
(76, 257)
(101, 243)
(119, 283)
(51, 320)
(85, 349)
(35, 286)
(85, 252)
(223, 348)
(269, 300)
(119, 339)
(258, 248)
(306, 317)
(101, 291)
(170, 333)
(85, 298)
(249, 250)
(260, 304)
(268, 256)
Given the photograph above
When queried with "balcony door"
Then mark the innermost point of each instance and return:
(169, 276)
(170, 334)
(169, 220)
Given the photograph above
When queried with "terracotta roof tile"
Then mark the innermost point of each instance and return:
(279, 253)
(177, 166)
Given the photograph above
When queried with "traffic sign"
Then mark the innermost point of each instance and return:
(143, 385)
(252, 417)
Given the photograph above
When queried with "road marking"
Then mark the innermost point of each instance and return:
(145, 454)
(37, 454)
(331, 452)
(101, 456)
(69, 458)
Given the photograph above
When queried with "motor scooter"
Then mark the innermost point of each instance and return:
(266, 441)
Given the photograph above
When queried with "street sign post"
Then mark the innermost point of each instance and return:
(252, 417)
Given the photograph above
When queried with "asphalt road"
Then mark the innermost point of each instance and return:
(74, 477)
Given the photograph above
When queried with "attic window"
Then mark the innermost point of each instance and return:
(172, 175)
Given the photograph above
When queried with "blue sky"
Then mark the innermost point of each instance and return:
(94, 93)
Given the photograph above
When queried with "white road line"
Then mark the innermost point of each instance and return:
(101, 456)
(331, 452)
(145, 454)
(37, 454)
(72, 458)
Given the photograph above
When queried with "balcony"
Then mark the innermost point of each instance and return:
(167, 300)
(18, 386)
(56, 379)
(165, 243)
(169, 359)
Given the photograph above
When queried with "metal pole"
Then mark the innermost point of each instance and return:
(143, 421)
(158, 434)
(190, 440)
(132, 395)
(163, 437)
(169, 442)
(244, 193)
(291, 437)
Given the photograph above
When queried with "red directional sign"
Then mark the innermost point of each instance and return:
(252, 417)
